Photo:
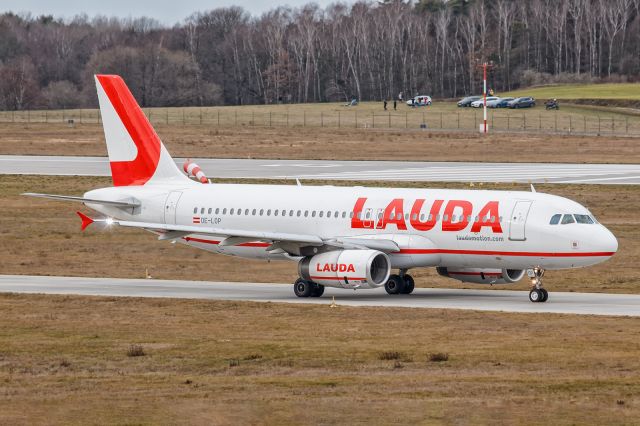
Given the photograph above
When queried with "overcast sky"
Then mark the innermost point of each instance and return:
(167, 12)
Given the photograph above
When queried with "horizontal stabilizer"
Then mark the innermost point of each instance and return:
(131, 203)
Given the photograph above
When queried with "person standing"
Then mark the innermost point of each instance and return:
(395, 105)
(385, 104)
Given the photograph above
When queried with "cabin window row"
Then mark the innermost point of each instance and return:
(368, 215)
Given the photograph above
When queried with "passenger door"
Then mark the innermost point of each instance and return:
(518, 220)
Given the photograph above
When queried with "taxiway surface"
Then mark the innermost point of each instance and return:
(482, 300)
(628, 174)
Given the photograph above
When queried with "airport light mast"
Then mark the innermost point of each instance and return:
(485, 65)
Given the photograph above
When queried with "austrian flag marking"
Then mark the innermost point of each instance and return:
(196, 219)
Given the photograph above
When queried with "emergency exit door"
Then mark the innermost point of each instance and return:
(171, 206)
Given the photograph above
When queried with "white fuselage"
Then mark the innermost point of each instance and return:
(432, 227)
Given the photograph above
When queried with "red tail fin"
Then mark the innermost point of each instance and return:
(136, 153)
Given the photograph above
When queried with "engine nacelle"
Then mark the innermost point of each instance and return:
(347, 268)
(482, 275)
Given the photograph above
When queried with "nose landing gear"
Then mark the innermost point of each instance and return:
(537, 293)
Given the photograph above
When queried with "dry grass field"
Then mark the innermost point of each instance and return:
(195, 140)
(70, 360)
(43, 238)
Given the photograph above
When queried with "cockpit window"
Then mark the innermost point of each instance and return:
(555, 219)
(584, 218)
(567, 218)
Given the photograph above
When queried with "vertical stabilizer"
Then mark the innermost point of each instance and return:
(136, 154)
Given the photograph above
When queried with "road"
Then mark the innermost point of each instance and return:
(628, 174)
(481, 300)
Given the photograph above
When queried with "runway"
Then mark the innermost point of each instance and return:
(620, 174)
(481, 300)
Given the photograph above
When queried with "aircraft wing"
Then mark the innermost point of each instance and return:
(231, 237)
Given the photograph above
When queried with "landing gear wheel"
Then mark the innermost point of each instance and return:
(536, 295)
(545, 295)
(394, 285)
(302, 288)
(409, 284)
(317, 290)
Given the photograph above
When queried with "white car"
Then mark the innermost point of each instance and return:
(420, 100)
(480, 102)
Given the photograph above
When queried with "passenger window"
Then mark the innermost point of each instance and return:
(335, 215)
(253, 212)
(195, 210)
(246, 212)
(344, 215)
(313, 213)
(306, 213)
(290, 212)
(321, 213)
(350, 215)
(284, 212)
(231, 212)
(567, 218)
(493, 219)
(555, 219)
(269, 212)
(445, 218)
(239, 212)
(275, 212)
(261, 212)
(202, 210)
(224, 211)
(210, 210)
(299, 212)
(218, 210)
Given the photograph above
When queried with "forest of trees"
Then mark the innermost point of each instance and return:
(368, 50)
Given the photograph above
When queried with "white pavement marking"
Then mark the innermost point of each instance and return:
(480, 300)
(350, 170)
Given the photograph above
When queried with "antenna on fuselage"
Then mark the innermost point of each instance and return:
(298, 182)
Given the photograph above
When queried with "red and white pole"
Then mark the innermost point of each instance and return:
(484, 94)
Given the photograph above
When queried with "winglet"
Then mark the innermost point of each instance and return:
(86, 220)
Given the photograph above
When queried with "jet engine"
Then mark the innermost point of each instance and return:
(482, 276)
(347, 268)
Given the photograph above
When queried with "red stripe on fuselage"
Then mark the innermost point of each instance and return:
(447, 251)
(506, 253)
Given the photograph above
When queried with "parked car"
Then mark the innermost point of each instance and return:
(466, 102)
(480, 102)
(500, 103)
(420, 100)
(525, 102)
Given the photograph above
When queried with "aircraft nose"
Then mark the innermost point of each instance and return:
(608, 242)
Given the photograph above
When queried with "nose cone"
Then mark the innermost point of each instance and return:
(607, 242)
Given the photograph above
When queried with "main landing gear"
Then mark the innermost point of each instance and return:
(304, 288)
(537, 293)
(400, 284)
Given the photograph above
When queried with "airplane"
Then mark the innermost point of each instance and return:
(343, 237)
